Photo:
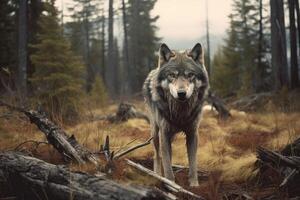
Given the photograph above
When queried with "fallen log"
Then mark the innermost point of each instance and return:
(56, 136)
(252, 102)
(124, 113)
(32, 178)
(218, 104)
(278, 159)
(172, 186)
(286, 164)
(292, 149)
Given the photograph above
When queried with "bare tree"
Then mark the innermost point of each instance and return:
(259, 70)
(293, 45)
(86, 25)
(125, 49)
(110, 70)
(103, 45)
(298, 26)
(278, 44)
(22, 70)
(207, 41)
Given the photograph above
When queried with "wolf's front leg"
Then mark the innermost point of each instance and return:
(192, 146)
(166, 153)
(157, 157)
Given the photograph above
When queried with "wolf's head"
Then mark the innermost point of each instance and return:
(182, 73)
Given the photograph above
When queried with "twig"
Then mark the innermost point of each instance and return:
(288, 178)
(123, 147)
(179, 168)
(117, 156)
(172, 186)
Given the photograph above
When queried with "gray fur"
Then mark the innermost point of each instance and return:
(170, 115)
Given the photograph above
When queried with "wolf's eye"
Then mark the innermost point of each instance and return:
(171, 75)
(191, 75)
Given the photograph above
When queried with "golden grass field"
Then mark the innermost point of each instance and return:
(227, 147)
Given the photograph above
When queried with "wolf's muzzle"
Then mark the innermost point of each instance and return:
(181, 95)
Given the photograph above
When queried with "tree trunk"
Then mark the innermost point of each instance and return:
(32, 178)
(278, 45)
(22, 70)
(134, 48)
(298, 26)
(259, 70)
(103, 46)
(90, 71)
(293, 45)
(110, 70)
(126, 51)
(208, 42)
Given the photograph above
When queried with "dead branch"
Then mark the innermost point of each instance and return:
(117, 156)
(125, 146)
(66, 145)
(286, 164)
(278, 159)
(178, 168)
(218, 104)
(124, 113)
(32, 178)
(251, 102)
(172, 186)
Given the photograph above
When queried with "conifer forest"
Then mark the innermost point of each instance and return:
(149, 99)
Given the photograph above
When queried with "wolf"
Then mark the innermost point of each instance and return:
(174, 93)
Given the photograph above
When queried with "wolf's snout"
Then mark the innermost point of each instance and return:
(181, 94)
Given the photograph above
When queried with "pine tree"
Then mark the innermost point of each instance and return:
(83, 31)
(8, 34)
(111, 72)
(118, 84)
(278, 44)
(225, 79)
(98, 93)
(261, 22)
(22, 48)
(58, 77)
(293, 45)
(244, 55)
(95, 60)
(142, 40)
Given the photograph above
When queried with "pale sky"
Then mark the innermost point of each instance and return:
(183, 21)
(180, 19)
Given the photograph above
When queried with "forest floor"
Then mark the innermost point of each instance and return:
(226, 153)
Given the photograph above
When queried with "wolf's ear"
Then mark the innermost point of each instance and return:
(165, 53)
(197, 53)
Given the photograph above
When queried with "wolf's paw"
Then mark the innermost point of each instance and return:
(194, 183)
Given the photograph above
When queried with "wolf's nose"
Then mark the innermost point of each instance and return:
(181, 94)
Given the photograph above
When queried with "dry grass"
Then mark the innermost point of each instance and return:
(225, 146)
